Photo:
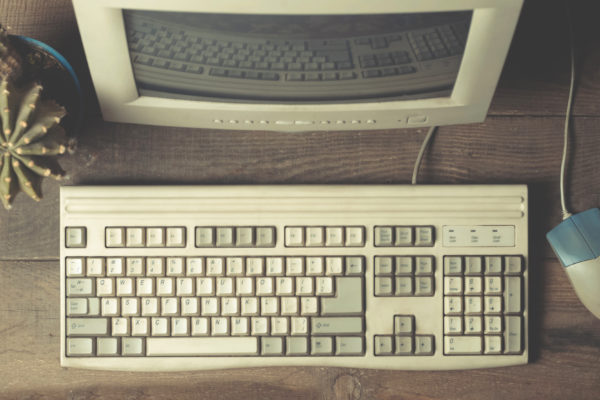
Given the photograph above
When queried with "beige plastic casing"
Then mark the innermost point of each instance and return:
(102, 31)
(302, 205)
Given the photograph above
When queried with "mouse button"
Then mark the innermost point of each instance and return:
(569, 244)
(588, 223)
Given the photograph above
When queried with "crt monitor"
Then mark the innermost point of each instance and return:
(296, 65)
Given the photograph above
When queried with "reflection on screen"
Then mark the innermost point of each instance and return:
(301, 58)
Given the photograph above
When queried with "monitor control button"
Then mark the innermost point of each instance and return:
(417, 119)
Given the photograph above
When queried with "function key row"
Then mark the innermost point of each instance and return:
(404, 236)
(324, 236)
(116, 236)
(231, 236)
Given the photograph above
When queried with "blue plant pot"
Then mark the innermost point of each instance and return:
(43, 64)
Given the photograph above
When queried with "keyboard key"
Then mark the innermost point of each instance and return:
(134, 266)
(355, 236)
(244, 236)
(423, 265)
(294, 236)
(423, 236)
(265, 236)
(453, 305)
(348, 299)
(321, 346)
(493, 265)
(87, 326)
(424, 345)
(403, 345)
(296, 346)
(349, 346)
(404, 286)
(513, 331)
(513, 265)
(132, 347)
(76, 307)
(384, 345)
(334, 236)
(453, 265)
(424, 286)
(453, 325)
(512, 294)
(205, 236)
(404, 236)
(80, 347)
(155, 237)
(115, 237)
(294, 266)
(107, 347)
(271, 346)
(384, 236)
(404, 265)
(472, 305)
(315, 236)
(493, 344)
(384, 266)
(462, 344)
(473, 266)
(324, 286)
(383, 286)
(95, 266)
(75, 267)
(175, 237)
(75, 236)
(135, 237)
(336, 325)
(225, 237)
(403, 324)
(334, 266)
(493, 285)
(81, 287)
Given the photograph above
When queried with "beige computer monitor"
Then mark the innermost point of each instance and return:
(124, 98)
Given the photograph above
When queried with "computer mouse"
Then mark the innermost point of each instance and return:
(576, 242)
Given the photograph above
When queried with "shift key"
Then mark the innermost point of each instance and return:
(336, 325)
(87, 326)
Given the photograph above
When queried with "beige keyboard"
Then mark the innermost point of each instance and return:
(206, 277)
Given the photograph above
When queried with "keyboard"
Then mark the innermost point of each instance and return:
(366, 276)
(180, 59)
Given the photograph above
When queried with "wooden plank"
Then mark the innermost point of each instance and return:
(502, 150)
(564, 341)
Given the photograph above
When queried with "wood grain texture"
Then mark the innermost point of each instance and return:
(520, 142)
(565, 342)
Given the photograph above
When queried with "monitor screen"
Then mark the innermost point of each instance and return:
(295, 58)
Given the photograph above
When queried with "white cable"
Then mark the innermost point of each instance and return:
(565, 212)
(421, 152)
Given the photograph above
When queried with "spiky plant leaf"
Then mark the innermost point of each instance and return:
(10, 60)
(29, 140)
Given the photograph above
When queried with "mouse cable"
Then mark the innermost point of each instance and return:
(421, 152)
(565, 212)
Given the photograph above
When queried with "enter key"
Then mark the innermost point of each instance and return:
(348, 299)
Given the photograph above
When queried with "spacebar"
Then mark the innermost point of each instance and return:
(202, 346)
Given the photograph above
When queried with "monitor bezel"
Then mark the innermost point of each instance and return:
(102, 31)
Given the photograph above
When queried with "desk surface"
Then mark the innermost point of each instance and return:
(520, 142)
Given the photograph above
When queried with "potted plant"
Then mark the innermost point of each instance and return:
(32, 126)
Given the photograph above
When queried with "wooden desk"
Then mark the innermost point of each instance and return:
(520, 142)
